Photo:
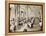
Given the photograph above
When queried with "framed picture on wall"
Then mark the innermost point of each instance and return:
(24, 17)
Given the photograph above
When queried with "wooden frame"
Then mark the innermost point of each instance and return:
(7, 16)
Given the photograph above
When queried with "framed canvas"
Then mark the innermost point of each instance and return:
(24, 17)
